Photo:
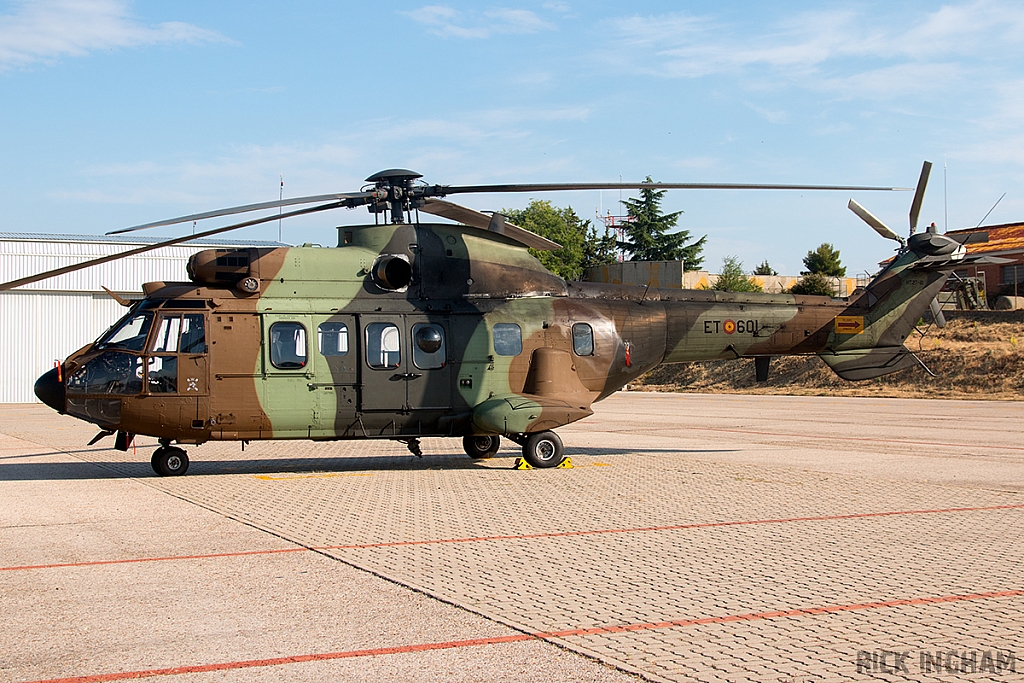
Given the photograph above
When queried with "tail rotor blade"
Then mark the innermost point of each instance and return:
(880, 227)
(922, 183)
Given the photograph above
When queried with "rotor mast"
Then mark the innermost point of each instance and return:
(395, 193)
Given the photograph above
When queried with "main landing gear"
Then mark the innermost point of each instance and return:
(169, 461)
(481, 446)
(540, 449)
(543, 449)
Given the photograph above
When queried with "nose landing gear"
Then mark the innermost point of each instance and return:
(169, 461)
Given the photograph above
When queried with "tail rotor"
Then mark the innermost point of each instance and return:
(888, 233)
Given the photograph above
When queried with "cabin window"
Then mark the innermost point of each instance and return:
(288, 346)
(383, 346)
(130, 334)
(508, 339)
(163, 375)
(428, 352)
(583, 339)
(332, 339)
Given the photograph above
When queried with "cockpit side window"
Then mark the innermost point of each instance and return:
(130, 334)
(112, 372)
(193, 333)
(163, 374)
(166, 336)
(185, 333)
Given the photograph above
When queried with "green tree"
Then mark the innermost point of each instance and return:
(648, 236)
(765, 269)
(824, 261)
(813, 283)
(581, 245)
(733, 279)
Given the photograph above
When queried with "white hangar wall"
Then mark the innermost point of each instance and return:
(48, 320)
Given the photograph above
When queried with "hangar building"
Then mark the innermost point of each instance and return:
(46, 321)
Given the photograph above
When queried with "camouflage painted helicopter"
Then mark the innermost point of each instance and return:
(410, 329)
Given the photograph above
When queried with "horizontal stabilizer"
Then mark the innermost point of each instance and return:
(858, 364)
(944, 263)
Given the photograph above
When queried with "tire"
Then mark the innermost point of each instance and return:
(169, 461)
(543, 449)
(477, 446)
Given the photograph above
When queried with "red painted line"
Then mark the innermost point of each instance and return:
(781, 614)
(295, 659)
(856, 438)
(553, 534)
(541, 635)
(674, 527)
(152, 559)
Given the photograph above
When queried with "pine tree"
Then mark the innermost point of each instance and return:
(824, 261)
(648, 236)
(765, 269)
(733, 279)
(813, 283)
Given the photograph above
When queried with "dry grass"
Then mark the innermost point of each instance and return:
(974, 359)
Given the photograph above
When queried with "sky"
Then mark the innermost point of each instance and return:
(115, 113)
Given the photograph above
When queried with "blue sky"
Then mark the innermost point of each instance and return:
(118, 113)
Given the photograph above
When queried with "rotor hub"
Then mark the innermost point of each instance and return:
(395, 192)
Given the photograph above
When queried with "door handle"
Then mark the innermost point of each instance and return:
(405, 375)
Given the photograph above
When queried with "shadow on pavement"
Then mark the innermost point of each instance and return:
(103, 468)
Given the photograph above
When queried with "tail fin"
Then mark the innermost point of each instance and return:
(868, 339)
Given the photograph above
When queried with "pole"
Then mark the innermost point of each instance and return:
(945, 205)
(280, 198)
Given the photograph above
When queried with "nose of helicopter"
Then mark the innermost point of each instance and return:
(50, 389)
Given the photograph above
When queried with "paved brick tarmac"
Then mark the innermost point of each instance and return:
(718, 538)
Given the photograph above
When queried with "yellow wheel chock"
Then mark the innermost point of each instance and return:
(521, 464)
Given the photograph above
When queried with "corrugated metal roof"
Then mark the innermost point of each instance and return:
(131, 239)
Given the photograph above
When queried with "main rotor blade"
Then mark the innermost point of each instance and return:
(494, 223)
(348, 197)
(880, 227)
(922, 183)
(150, 247)
(552, 187)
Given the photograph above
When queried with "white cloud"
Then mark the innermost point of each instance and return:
(448, 22)
(238, 175)
(49, 29)
(241, 174)
(769, 115)
(879, 54)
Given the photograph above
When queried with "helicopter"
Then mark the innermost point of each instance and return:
(411, 329)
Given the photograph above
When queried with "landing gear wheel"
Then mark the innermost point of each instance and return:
(543, 449)
(169, 461)
(481, 446)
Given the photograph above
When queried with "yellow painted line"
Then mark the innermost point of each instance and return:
(267, 477)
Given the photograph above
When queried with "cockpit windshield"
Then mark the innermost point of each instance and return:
(130, 334)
